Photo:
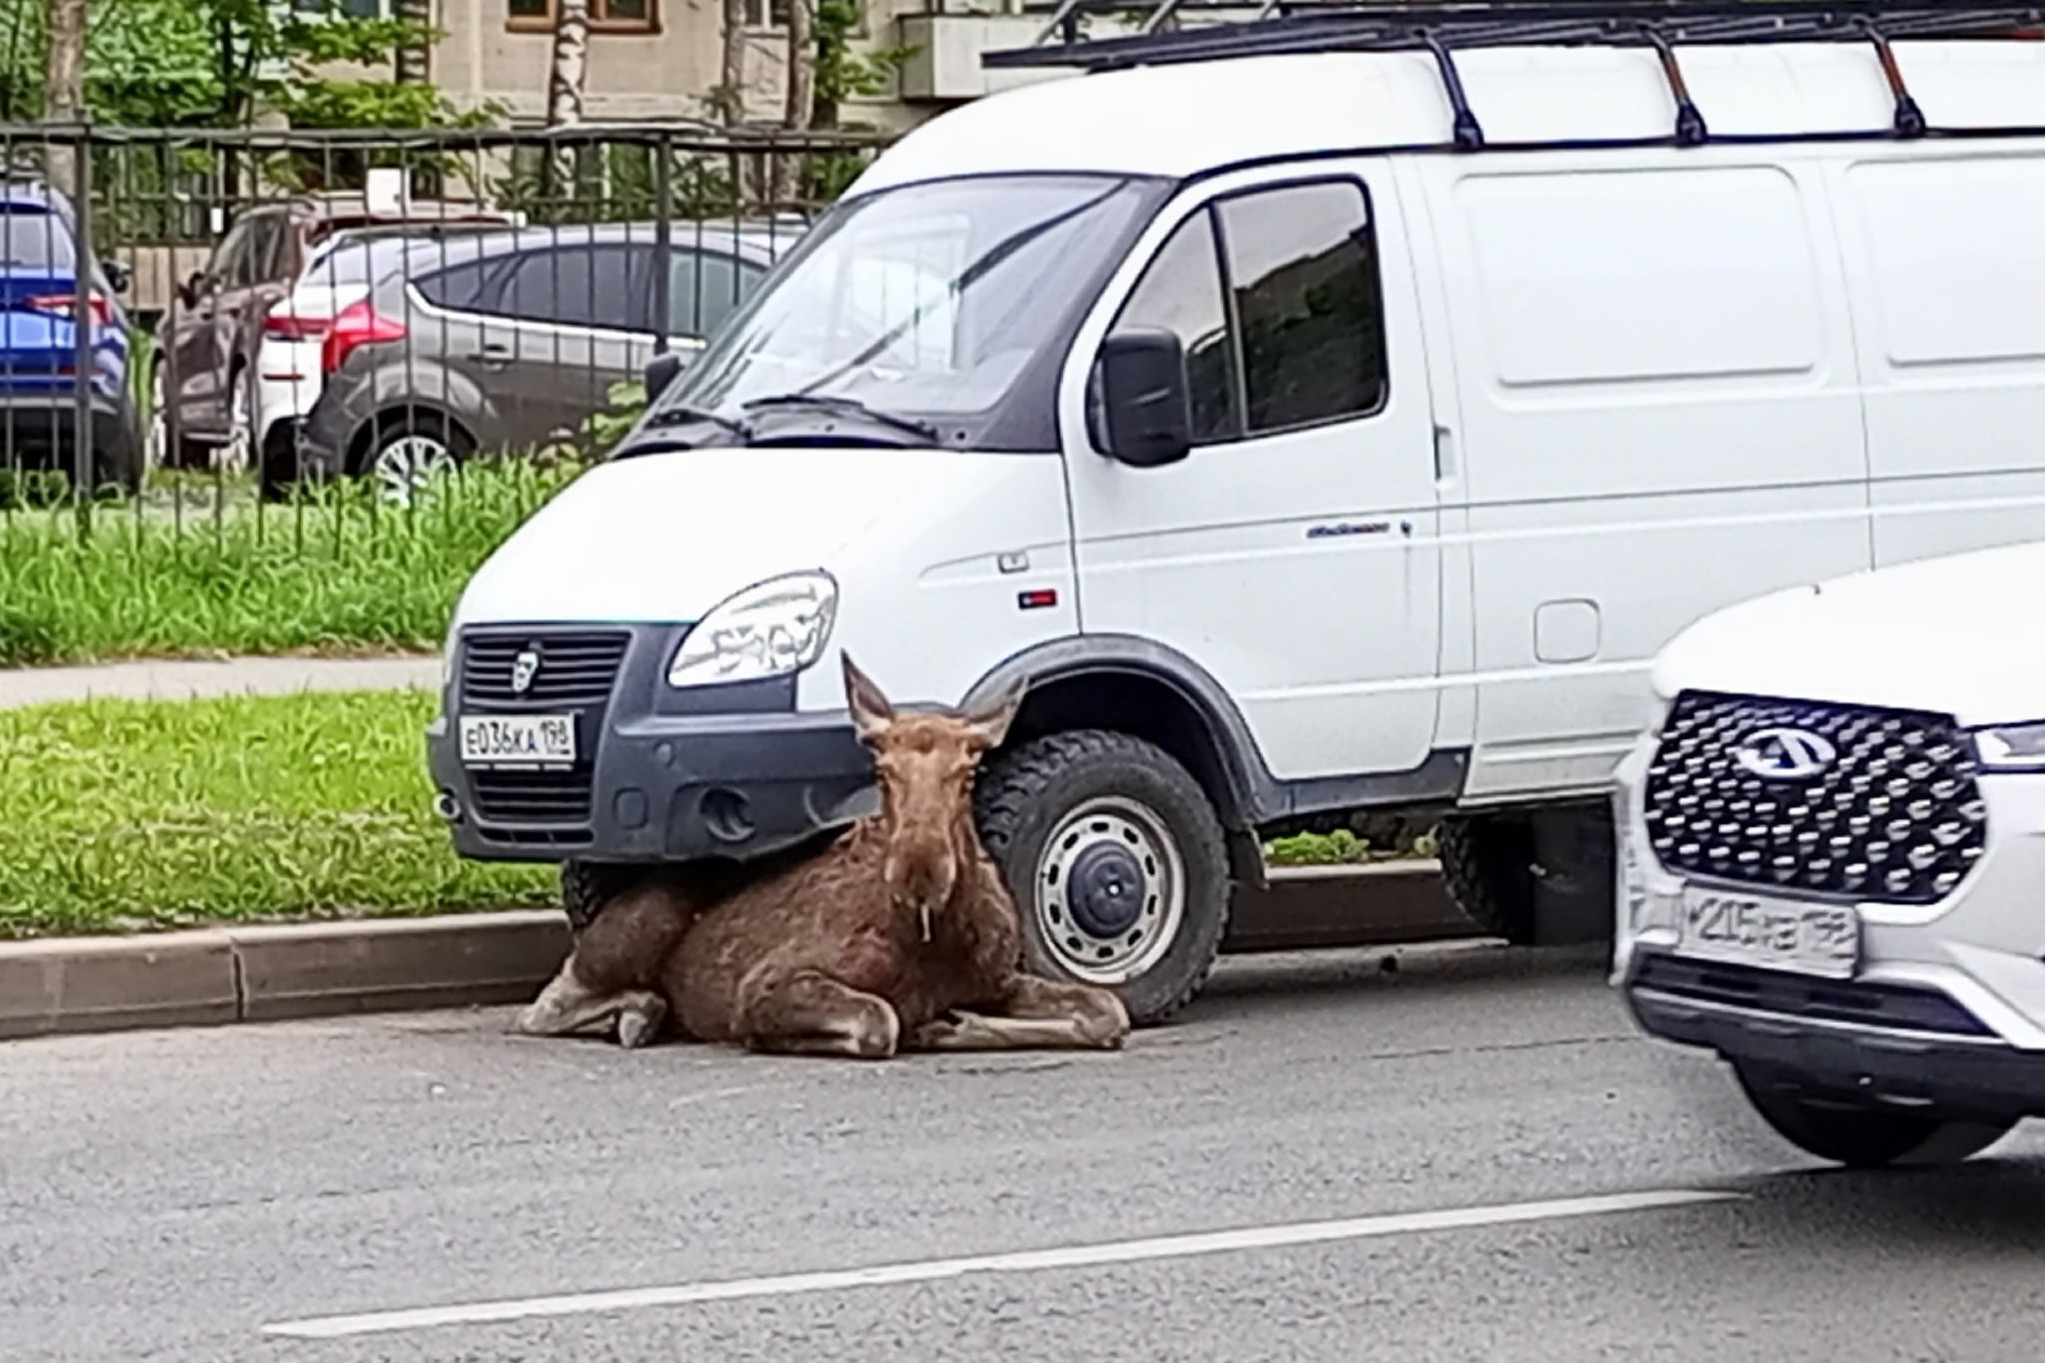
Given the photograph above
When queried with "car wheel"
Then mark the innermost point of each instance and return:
(159, 453)
(1487, 868)
(1117, 863)
(1861, 1137)
(586, 886)
(235, 453)
(408, 453)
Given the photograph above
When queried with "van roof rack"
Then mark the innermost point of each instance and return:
(1274, 27)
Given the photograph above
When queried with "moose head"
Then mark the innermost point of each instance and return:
(925, 763)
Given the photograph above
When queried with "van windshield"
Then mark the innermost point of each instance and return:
(938, 301)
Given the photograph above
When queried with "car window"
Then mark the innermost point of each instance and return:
(1181, 292)
(1303, 265)
(457, 287)
(258, 262)
(705, 287)
(227, 256)
(574, 286)
(33, 238)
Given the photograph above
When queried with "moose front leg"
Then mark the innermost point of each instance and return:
(1036, 1014)
(809, 1013)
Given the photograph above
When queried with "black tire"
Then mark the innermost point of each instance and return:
(586, 886)
(1025, 795)
(1487, 867)
(1862, 1137)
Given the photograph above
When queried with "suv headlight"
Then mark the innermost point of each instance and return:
(2012, 747)
(770, 629)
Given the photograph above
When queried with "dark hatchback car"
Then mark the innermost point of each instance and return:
(206, 344)
(510, 342)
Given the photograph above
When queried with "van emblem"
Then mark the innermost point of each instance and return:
(524, 668)
(1786, 754)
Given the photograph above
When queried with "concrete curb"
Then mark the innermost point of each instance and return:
(257, 974)
(183, 679)
(217, 976)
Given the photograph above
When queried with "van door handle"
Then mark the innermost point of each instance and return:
(492, 356)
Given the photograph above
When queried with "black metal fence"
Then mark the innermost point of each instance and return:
(182, 364)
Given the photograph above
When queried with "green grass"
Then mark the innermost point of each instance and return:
(1343, 848)
(125, 816)
(199, 569)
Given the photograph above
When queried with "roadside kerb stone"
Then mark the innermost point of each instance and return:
(184, 679)
(395, 964)
(103, 984)
(269, 973)
(275, 972)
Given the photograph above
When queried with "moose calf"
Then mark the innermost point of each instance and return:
(900, 934)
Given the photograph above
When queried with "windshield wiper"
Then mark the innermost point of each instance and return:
(847, 407)
(679, 416)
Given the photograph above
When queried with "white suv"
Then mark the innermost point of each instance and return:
(1832, 856)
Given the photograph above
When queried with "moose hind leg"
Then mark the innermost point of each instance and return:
(1035, 1014)
(567, 1005)
(809, 1013)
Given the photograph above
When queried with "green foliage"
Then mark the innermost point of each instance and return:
(337, 572)
(133, 815)
(216, 63)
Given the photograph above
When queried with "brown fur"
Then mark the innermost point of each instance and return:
(898, 934)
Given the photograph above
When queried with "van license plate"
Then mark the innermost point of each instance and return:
(1744, 929)
(518, 740)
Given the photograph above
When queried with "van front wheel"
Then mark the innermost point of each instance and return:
(1487, 868)
(1117, 863)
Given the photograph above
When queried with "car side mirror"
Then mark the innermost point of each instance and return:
(662, 370)
(119, 276)
(1145, 403)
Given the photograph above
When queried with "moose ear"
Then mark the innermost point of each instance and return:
(989, 723)
(871, 712)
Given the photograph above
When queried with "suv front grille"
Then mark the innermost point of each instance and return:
(575, 670)
(1894, 817)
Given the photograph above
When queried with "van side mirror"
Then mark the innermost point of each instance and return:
(662, 370)
(119, 276)
(1144, 397)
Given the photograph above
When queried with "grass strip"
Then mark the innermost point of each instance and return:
(124, 816)
(181, 575)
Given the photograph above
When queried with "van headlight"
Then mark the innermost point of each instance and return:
(2012, 747)
(770, 629)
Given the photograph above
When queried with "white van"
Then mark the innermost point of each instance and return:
(1312, 444)
(1833, 848)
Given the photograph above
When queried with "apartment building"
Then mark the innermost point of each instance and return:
(661, 59)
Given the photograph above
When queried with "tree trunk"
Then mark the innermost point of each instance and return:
(802, 66)
(731, 87)
(800, 109)
(64, 93)
(571, 56)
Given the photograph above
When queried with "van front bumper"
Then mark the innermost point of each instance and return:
(661, 775)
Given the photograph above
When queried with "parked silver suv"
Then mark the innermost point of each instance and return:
(508, 342)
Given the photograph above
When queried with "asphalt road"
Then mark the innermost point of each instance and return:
(1512, 1174)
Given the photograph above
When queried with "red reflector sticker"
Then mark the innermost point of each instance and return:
(1037, 600)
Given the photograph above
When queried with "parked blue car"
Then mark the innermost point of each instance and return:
(39, 273)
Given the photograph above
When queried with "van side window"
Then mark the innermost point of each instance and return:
(1181, 293)
(1303, 267)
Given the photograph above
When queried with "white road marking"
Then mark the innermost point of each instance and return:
(932, 1270)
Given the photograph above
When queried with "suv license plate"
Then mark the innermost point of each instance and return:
(1745, 929)
(518, 740)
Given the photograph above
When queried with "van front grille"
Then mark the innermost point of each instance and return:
(532, 797)
(1838, 801)
(562, 669)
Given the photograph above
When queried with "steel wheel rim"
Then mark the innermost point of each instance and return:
(407, 464)
(1103, 854)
